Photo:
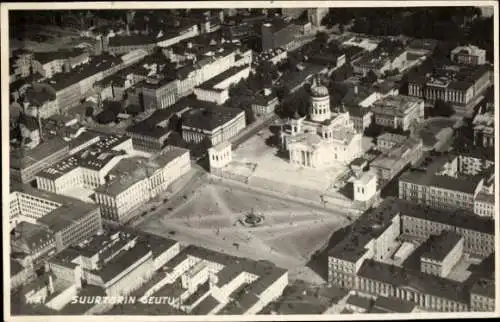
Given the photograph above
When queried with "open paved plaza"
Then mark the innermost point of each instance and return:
(288, 235)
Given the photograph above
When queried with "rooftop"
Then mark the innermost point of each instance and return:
(69, 211)
(439, 246)
(429, 177)
(210, 118)
(423, 44)
(356, 94)
(206, 306)
(15, 267)
(377, 59)
(22, 158)
(132, 40)
(46, 57)
(468, 49)
(95, 157)
(39, 95)
(123, 261)
(425, 283)
(72, 211)
(359, 301)
(357, 111)
(32, 235)
(397, 139)
(351, 245)
(97, 64)
(484, 287)
(131, 170)
(212, 82)
(393, 305)
(393, 157)
(395, 105)
(450, 76)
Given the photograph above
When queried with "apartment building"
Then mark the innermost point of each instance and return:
(484, 129)
(159, 92)
(226, 284)
(25, 164)
(48, 64)
(398, 112)
(33, 241)
(392, 161)
(443, 252)
(119, 45)
(40, 101)
(264, 103)
(216, 89)
(71, 87)
(279, 34)
(116, 262)
(380, 62)
(441, 185)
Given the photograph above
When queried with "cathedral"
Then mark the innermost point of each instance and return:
(323, 138)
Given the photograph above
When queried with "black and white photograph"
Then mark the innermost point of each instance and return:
(262, 160)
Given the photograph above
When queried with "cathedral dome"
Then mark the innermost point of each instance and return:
(319, 91)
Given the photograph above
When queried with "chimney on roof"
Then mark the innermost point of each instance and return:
(356, 89)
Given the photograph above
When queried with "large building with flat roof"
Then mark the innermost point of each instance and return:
(217, 124)
(358, 258)
(440, 184)
(133, 181)
(87, 168)
(68, 219)
(457, 85)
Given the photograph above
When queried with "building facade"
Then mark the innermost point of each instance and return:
(469, 55)
(217, 125)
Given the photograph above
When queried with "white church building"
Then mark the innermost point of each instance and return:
(323, 138)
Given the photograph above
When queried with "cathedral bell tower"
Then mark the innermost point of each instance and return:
(320, 102)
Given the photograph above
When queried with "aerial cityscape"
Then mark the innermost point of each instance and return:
(262, 161)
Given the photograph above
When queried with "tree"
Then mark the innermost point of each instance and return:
(89, 111)
(370, 77)
(107, 116)
(282, 92)
(175, 123)
(176, 139)
(133, 109)
(249, 115)
(442, 108)
(267, 72)
(322, 37)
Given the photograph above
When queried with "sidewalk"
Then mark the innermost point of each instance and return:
(343, 211)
